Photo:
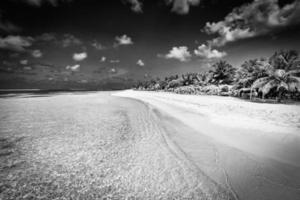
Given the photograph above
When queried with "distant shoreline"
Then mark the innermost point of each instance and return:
(41, 91)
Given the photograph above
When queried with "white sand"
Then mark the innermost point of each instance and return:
(252, 148)
(92, 145)
(241, 122)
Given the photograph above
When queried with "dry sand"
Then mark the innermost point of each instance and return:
(92, 146)
(251, 149)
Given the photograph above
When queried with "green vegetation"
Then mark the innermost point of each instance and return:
(275, 78)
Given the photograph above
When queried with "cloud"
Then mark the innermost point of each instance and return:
(69, 40)
(39, 3)
(179, 53)
(114, 61)
(136, 5)
(23, 62)
(83, 81)
(103, 59)
(65, 40)
(37, 53)
(260, 17)
(140, 63)
(206, 52)
(79, 56)
(178, 6)
(227, 34)
(182, 6)
(113, 70)
(47, 37)
(73, 68)
(123, 40)
(97, 45)
(28, 68)
(15, 42)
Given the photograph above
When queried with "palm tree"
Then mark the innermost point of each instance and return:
(283, 71)
(223, 73)
(250, 71)
(284, 59)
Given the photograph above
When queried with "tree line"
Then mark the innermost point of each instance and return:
(277, 77)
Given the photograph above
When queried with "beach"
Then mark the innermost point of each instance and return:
(147, 145)
(252, 149)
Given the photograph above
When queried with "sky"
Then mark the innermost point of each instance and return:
(108, 44)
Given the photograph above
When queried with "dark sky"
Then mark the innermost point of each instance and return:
(108, 43)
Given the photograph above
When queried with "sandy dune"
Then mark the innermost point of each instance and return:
(251, 149)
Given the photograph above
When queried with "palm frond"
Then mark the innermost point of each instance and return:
(294, 79)
(294, 83)
(294, 86)
(283, 59)
(296, 71)
(283, 85)
(260, 82)
(270, 70)
(246, 79)
(296, 64)
(268, 86)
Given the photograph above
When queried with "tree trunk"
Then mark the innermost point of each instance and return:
(280, 93)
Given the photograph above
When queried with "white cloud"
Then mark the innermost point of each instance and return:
(69, 40)
(136, 6)
(114, 61)
(103, 59)
(15, 42)
(23, 62)
(206, 52)
(179, 53)
(178, 6)
(113, 70)
(65, 40)
(123, 40)
(257, 18)
(73, 68)
(40, 2)
(183, 6)
(46, 37)
(28, 68)
(227, 34)
(83, 81)
(79, 56)
(140, 63)
(37, 53)
(98, 46)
